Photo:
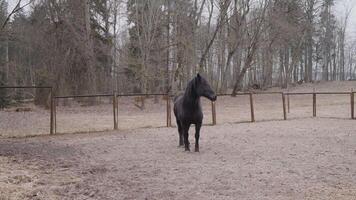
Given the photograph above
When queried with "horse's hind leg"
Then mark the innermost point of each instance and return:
(180, 132)
(197, 135)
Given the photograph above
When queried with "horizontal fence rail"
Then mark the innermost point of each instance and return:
(135, 95)
(248, 93)
(318, 93)
(25, 87)
(284, 96)
(83, 96)
(109, 95)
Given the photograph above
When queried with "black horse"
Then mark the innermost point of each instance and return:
(187, 109)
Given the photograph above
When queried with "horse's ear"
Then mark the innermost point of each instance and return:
(197, 79)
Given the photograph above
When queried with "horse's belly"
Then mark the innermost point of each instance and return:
(193, 118)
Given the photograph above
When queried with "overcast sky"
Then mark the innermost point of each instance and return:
(340, 9)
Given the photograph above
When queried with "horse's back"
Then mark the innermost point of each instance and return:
(177, 97)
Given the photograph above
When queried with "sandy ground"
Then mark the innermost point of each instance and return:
(295, 159)
(302, 158)
(76, 118)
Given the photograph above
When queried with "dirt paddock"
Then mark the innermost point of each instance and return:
(301, 158)
(296, 159)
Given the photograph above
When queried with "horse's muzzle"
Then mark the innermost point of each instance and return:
(213, 98)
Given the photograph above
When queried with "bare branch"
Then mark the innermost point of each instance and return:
(16, 9)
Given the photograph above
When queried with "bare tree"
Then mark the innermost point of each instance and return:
(254, 30)
(16, 9)
(87, 46)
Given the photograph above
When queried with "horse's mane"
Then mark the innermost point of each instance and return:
(190, 90)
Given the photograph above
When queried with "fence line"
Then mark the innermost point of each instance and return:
(314, 99)
(319, 93)
(25, 87)
(83, 96)
(51, 95)
(53, 102)
(109, 95)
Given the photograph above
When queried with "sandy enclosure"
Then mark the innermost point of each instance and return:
(296, 159)
(302, 158)
(74, 117)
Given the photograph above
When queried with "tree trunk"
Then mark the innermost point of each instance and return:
(281, 67)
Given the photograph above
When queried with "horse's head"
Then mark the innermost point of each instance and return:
(203, 88)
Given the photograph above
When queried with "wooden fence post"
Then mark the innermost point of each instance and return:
(52, 112)
(169, 118)
(55, 114)
(352, 104)
(252, 109)
(288, 102)
(115, 110)
(213, 112)
(284, 106)
(314, 103)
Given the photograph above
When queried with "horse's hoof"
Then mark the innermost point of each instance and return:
(196, 149)
(187, 149)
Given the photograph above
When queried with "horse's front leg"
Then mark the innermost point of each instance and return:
(180, 132)
(197, 135)
(185, 128)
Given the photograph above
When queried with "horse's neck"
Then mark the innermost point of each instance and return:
(190, 99)
(191, 102)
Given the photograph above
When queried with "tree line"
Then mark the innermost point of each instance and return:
(142, 46)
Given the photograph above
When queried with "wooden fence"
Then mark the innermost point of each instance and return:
(52, 105)
(314, 99)
(53, 121)
(115, 105)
